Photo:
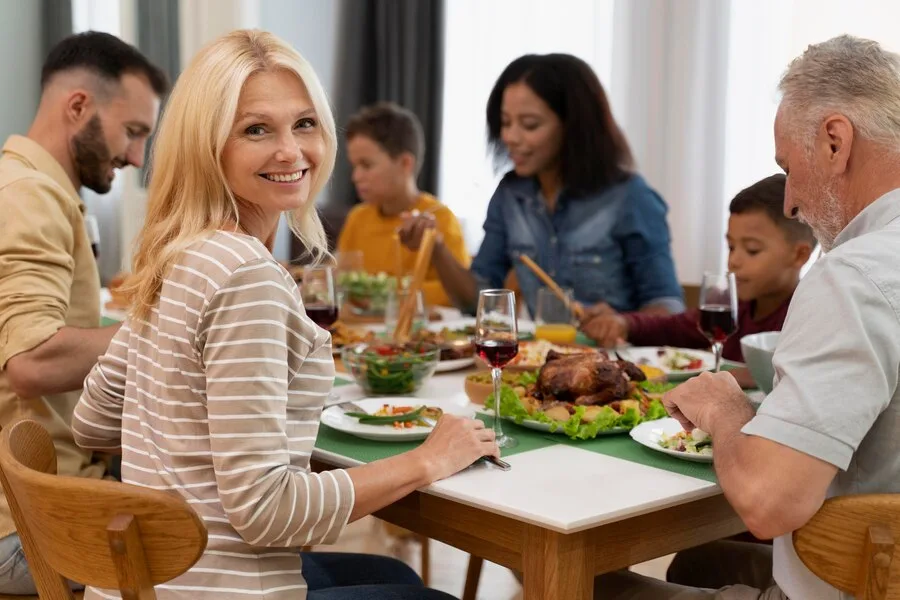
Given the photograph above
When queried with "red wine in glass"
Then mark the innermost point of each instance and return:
(497, 353)
(323, 315)
(496, 342)
(717, 322)
(718, 310)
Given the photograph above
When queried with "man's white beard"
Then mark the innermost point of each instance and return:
(827, 220)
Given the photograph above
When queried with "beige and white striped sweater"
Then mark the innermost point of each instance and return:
(218, 398)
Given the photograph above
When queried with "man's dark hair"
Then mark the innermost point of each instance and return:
(105, 55)
(392, 127)
(767, 196)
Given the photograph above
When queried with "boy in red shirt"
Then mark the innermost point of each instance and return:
(766, 252)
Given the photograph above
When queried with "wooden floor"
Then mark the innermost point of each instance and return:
(448, 565)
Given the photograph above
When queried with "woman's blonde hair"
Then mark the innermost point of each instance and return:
(188, 197)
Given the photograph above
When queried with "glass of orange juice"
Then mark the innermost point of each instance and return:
(554, 321)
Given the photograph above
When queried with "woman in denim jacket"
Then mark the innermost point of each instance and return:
(572, 201)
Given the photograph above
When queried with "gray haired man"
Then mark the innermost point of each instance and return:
(831, 425)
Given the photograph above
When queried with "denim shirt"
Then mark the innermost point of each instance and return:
(610, 246)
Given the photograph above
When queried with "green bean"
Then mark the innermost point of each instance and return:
(387, 419)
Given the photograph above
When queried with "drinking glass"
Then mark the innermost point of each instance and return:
(319, 296)
(395, 300)
(553, 318)
(497, 343)
(718, 310)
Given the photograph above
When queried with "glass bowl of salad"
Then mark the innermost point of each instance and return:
(388, 369)
(366, 294)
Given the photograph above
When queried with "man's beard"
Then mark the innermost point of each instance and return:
(827, 218)
(92, 157)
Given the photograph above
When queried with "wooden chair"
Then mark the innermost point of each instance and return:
(849, 543)
(691, 295)
(101, 533)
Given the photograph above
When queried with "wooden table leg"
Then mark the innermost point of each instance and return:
(426, 559)
(473, 575)
(557, 566)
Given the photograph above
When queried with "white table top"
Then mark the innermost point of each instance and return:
(559, 487)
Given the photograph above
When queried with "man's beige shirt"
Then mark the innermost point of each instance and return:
(48, 280)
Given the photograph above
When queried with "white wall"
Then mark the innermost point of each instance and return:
(312, 27)
(21, 58)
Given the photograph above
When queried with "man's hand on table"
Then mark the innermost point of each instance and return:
(702, 401)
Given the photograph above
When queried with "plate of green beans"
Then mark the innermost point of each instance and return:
(389, 419)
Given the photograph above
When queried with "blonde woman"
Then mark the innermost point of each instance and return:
(215, 383)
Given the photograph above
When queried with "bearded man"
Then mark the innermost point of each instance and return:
(99, 103)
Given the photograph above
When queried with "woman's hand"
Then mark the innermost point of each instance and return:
(454, 444)
(414, 226)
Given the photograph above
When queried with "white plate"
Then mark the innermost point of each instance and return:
(335, 418)
(649, 434)
(540, 426)
(650, 355)
(456, 364)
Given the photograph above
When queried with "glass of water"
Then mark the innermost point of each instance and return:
(395, 300)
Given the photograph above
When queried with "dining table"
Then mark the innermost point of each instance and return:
(565, 512)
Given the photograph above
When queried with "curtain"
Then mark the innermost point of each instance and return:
(391, 50)
(157, 26)
(158, 34)
(56, 23)
(669, 91)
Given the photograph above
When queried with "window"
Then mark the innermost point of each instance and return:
(765, 36)
(482, 37)
(97, 15)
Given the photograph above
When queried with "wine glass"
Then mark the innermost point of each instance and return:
(319, 297)
(718, 310)
(497, 343)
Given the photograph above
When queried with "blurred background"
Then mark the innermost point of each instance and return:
(692, 83)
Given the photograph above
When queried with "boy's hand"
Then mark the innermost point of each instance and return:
(608, 330)
(414, 225)
(596, 310)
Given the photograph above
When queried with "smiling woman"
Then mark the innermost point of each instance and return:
(572, 202)
(274, 148)
(225, 128)
(214, 386)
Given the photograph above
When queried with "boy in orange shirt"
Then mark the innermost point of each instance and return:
(385, 145)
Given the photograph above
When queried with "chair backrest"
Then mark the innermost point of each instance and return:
(691, 295)
(100, 533)
(849, 543)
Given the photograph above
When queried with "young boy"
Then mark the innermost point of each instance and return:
(385, 145)
(766, 251)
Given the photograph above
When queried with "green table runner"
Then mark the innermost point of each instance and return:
(367, 451)
(617, 446)
(622, 446)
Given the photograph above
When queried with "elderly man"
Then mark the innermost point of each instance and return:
(831, 426)
(99, 102)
